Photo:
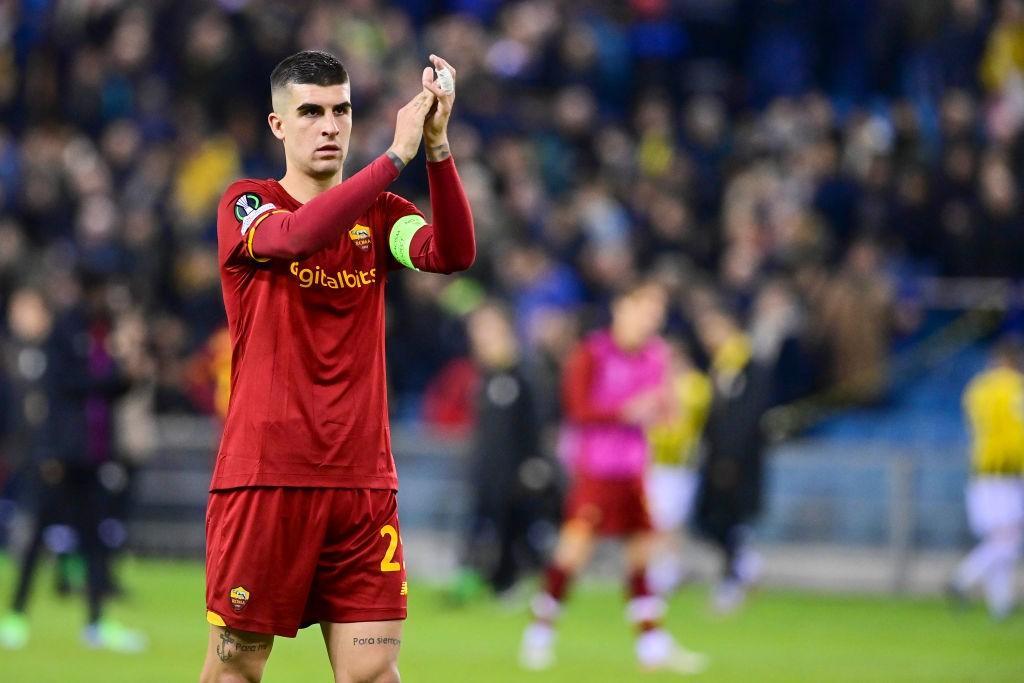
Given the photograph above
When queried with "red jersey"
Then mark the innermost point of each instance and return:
(308, 403)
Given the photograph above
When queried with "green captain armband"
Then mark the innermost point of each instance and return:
(400, 239)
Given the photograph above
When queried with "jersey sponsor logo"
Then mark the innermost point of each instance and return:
(360, 234)
(239, 598)
(339, 279)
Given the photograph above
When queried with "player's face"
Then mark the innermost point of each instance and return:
(639, 316)
(315, 124)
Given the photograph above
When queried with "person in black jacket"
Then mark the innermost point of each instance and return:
(732, 472)
(83, 369)
(507, 470)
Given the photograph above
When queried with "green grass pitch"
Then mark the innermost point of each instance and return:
(781, 636)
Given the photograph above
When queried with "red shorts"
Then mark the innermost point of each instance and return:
(612, 507)
(281, 558)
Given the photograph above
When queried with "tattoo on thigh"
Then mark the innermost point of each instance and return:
(377, 640)
(226, 647)
(230, 645)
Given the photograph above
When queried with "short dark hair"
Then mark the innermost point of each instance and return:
(315, 67)
(637, 286)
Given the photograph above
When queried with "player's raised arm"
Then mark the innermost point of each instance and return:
(315, 226)
(318, 223)
(448, 244)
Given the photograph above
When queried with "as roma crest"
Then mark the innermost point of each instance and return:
(361, 236)
(239, 598)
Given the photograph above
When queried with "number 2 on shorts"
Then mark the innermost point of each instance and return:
(388, 564)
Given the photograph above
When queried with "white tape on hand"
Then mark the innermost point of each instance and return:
(445, 80)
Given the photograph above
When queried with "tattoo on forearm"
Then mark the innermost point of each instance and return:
(438, 152)
(377, 640)
(396, 160)
(229, 646)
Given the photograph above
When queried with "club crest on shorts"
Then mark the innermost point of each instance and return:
(239, 598)
(361, 236)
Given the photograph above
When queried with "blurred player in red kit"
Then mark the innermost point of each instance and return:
(617, 385)
(302, 523)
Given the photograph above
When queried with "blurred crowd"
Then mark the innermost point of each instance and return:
(798, 162)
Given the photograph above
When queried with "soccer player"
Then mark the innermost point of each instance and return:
(994, 403)
(671, 482)
(616, 386)
(302, 522)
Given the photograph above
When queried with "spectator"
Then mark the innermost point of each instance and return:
(855, 320)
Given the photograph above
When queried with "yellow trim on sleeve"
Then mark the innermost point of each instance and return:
(215, 619)
(252, 233)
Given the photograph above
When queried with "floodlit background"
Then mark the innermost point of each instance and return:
(846, 175)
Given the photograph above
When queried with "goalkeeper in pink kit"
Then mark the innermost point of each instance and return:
(616, 385)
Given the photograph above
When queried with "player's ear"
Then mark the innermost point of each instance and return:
(276, 125)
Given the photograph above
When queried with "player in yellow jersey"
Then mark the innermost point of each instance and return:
(994, 405)
(671, 481)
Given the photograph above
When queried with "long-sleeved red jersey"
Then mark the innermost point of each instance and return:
(304, 293)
